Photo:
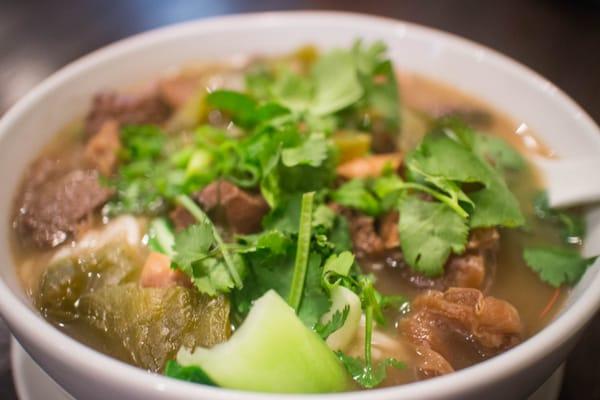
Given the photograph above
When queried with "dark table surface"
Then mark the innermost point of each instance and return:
(559, 39)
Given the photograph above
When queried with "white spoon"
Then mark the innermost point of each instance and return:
(571, 181)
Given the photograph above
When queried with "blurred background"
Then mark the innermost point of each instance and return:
(558, 39)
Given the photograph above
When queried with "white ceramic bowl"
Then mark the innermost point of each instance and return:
(508, 86)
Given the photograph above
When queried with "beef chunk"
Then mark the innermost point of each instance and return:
(102, 150)
(178, 90)
(473, 269)
(384, 142)
(483, 239)
(365, 239)
(181, 218)
(465, 319)
(55, 202)
(467, 271)
(429, 364)
(233, 207)
(146, 108)
(370, 236)
(388, 230)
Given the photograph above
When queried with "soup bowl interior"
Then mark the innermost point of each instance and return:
(504, 84)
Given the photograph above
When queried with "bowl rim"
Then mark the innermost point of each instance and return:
(79, 356)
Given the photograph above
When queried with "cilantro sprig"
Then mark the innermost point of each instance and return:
(336, 322)
(364, 370)
(557, 266)
(338, 270)
(193, 246)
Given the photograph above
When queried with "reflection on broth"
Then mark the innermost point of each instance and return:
(391, 216)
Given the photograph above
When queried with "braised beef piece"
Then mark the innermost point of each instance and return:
(181, 218)
(228, 206)
(102, 149)
(466, 271)
(176, 91)
(233, 207)
(462, 320)
(56, 200)
(473, 269)
(429, 364)
(383, 142)
(483, 239)
(370, 236)
(144, 108)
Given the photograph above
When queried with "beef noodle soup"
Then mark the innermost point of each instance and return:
(314, 222)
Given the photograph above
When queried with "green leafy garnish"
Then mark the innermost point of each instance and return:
(336, 82)
(356, 194)
(336, 322)
(498, 152)
(302, 251)
(189, 373)
(338, 271)
(336, 268)
(312, 152)
(160, 237)
(429, 232)
(241, 107)
(364, 371)
(368, 376)
(557, 266)
(288, 258)
(446, 164)
(200, 252)
(572, 225)
(492, 149)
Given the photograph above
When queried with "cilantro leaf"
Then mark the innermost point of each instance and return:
(336, 82)
(445, 162)
(365, 375)
(557, 266)
(312, 152)
(272, 240)
(336, 267)
(336, 322)
(293, 271)
(240, 106)
(356, 194)
(160, 237)
(267, 270)
(190, 373)
(323, 218)
(492, 149)
(200, 253)
(285, 216)
(293, 91)
(378, 78)
(364, 371)
(195, 253)
(141, 172)
(193, 244)
(572, 225)
(498, 152)
(429, 232)
(141, 142)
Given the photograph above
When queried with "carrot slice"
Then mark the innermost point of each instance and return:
(157, 272)
(370, 166)
(551, 303)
